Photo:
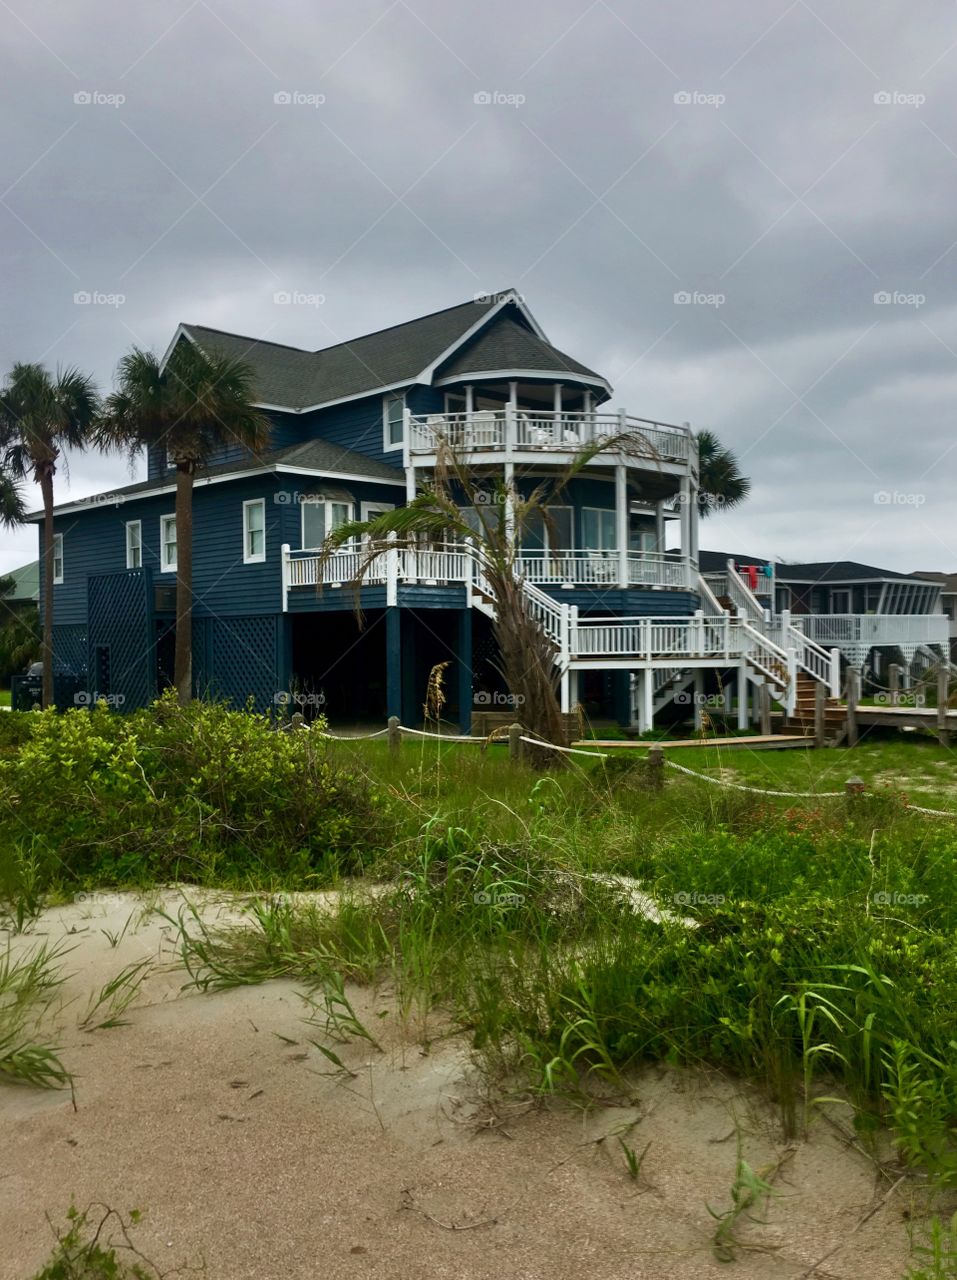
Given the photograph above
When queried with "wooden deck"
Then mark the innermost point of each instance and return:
(758, 742)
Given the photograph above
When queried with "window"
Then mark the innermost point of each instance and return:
(320, 515)
(393, 420)
(598, 529)
(167, 544)
(455, 402)
(548, 533)
(134, 544)
(170, 461)
(58, 557)
(254, 531)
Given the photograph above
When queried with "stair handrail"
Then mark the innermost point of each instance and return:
(815, 659)
(708, 596)
(744, 598)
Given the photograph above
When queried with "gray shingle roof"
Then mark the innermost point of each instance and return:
(834, 571)
(508, 345)
(313, 455)
(297, 379)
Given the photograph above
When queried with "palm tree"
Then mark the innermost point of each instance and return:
(40, 415)
(722, 483)
(441, 513)
(193, 406)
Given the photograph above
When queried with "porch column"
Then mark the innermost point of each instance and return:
(742, 697)
(464, 659)
(646, 720)
(693, 521)
(510, 501)
(393, 661)
(684, 503)
(557, 399)
(660, 527)
(469, 399)
(698, 697)
(511, 418)
(621, 697)
(621, 523)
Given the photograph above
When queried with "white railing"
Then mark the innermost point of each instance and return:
(708, 597)
(656, 638)
(535, 430)
(874, 629)
(602, 568)
(743, 598)
(340, 567)
(433, 564)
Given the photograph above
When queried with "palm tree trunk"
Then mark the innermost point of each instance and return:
(45, 478)
(183, 661)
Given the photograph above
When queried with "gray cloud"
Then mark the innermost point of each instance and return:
(792, 161)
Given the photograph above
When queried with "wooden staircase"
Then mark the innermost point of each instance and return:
(802, 721)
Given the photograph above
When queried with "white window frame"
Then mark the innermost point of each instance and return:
(138, 526)
(58, 559)
(366, 507)
(308, 500)
(250, 557)
(394, 397)
(165, 565)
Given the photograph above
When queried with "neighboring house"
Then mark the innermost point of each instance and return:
(26, 588)
(854, 607)
(948, 601)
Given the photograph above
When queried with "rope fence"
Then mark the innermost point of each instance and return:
(655, 761)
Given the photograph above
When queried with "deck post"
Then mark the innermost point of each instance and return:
(395, 737)
(393, 661)
(698, 698)
(820, 705)
(742, 696)
(835, 673)
(656, 768)
(764, 704)
(647, 718)
(284, 551)
(392, 573)
(515, 744)
(853, 697)
(621, 523)
(894, 681)
(943, 693)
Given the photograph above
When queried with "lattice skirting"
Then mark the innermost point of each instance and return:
(235, 659)
(69, 647)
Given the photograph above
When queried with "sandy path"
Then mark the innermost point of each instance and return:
(241, 1152)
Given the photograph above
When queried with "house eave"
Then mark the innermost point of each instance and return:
(281, 468)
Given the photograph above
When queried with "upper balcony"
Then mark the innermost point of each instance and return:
(497, 434)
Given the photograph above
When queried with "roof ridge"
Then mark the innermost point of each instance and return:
(403, 324)
(374, 333)
(245, 337)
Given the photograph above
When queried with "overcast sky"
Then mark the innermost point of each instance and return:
(742, 214)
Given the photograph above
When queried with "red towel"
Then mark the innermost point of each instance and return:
(752, 571)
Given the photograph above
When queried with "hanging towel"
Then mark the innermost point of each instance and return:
(752, 571)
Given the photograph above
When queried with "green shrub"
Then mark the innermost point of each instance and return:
(199, 792)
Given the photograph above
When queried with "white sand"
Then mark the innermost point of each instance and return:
(243, 1153)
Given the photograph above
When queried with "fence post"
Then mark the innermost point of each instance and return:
(395, 737)
(514, 744)
(853, 697)
(764, 709)
(894, 678)
(656, 768)
(943, 693)
(820, 703)
(853, 788)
